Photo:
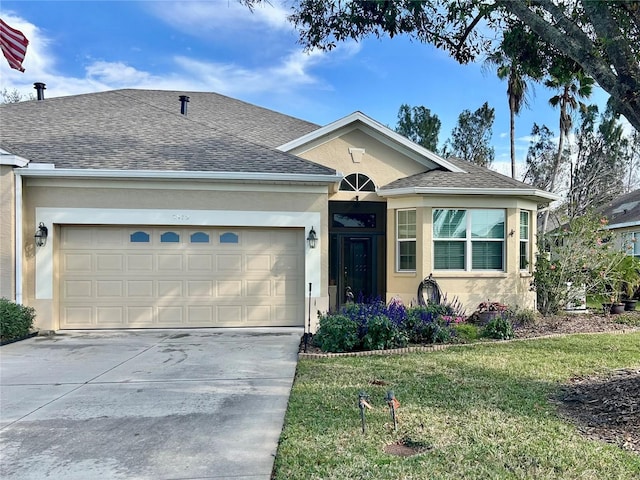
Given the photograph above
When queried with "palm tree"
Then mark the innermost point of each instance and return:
(517, 89)
(572, 85)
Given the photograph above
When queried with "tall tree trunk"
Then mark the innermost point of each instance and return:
(512, 124)
(556, 166)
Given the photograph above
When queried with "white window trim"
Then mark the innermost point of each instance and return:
(402, 240)
(468, 240)
(527, 240)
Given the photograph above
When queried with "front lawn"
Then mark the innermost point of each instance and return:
(474, 412)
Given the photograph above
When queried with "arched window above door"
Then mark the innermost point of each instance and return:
(357, 182)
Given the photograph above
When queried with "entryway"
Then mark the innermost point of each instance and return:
(357, 232)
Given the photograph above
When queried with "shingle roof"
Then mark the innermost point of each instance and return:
(475, 177)
(144, 130)
(623, 209)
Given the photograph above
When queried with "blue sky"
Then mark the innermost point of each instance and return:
(88, 46)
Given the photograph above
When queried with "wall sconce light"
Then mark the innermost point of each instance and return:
(512, 232)
(312, 238)
(41, 235)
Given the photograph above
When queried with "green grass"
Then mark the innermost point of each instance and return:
(483, 411)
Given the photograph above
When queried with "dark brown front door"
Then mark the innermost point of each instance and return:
(358, 266)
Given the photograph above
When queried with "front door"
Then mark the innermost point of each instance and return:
(358, 267)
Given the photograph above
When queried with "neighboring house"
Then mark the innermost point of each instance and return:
(623, 215)
(163, 213)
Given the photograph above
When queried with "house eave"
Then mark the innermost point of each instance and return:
(616, 226)
(533, 193)
(7, 158)
(179, 175)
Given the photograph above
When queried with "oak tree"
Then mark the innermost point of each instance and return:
(602, 37)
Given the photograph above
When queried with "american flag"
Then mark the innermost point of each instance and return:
(13, 44)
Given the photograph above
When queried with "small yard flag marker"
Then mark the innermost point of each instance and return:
(13, 44)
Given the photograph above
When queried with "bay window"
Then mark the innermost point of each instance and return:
(469, 240)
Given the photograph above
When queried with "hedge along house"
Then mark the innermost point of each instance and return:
(165, 209)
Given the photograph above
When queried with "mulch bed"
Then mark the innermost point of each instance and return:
(605, 408)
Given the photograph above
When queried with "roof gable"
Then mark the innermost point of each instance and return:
(358, 120)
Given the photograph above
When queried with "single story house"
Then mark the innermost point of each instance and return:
(151, 209)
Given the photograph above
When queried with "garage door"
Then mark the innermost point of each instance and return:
(140, 277)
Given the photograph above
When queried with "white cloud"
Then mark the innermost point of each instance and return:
(37, 59)
(200, 17)
(286, 72)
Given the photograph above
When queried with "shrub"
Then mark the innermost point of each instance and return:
(15, 320)
(424, 324)
(381, 333)
(584, 253)
(466, 332)
(499, 328)
(524, 316)
(337, 333)
(628, 319)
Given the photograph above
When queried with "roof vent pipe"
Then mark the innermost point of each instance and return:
(40, 88)
(183, 104)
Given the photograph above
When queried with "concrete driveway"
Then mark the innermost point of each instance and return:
(161, 404)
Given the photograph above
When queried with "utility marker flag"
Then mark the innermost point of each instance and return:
(13, 44)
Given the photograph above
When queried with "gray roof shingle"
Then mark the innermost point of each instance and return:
(475, 177)
(623, 209)
(144, 130)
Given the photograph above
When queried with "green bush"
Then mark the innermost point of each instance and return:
(627, 319)
(424, 324)
(15, 320)
(336, 333)
(499, 328)
(382, 333)
(524, 316)
(466, 332)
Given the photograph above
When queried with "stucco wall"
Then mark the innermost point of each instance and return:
(380, 162)
(511, 286)
(7, 232)
(174, 197)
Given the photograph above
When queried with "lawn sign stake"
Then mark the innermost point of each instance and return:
(393, 405)
(307, 334)
(362, 404)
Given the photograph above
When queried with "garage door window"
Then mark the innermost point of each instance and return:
(229, 237)
(139, 237)
(169, 237)
(199, 237)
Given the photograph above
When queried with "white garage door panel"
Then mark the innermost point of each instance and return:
(197, 277)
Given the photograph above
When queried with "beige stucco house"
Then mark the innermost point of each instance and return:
(190, 209)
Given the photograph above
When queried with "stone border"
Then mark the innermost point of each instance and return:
(433, 348)
(392, 351)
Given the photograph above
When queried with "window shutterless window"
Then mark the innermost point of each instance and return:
(632, 244)
(406, 240)
(468, 239)
(524, 240)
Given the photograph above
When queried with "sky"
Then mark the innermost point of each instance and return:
(220, 46)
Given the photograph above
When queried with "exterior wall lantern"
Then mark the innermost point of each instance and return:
(312, 238)
(41, 235)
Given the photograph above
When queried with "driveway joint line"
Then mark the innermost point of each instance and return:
(133, 382)
(79, 386)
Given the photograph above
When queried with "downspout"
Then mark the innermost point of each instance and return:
(18, 227)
